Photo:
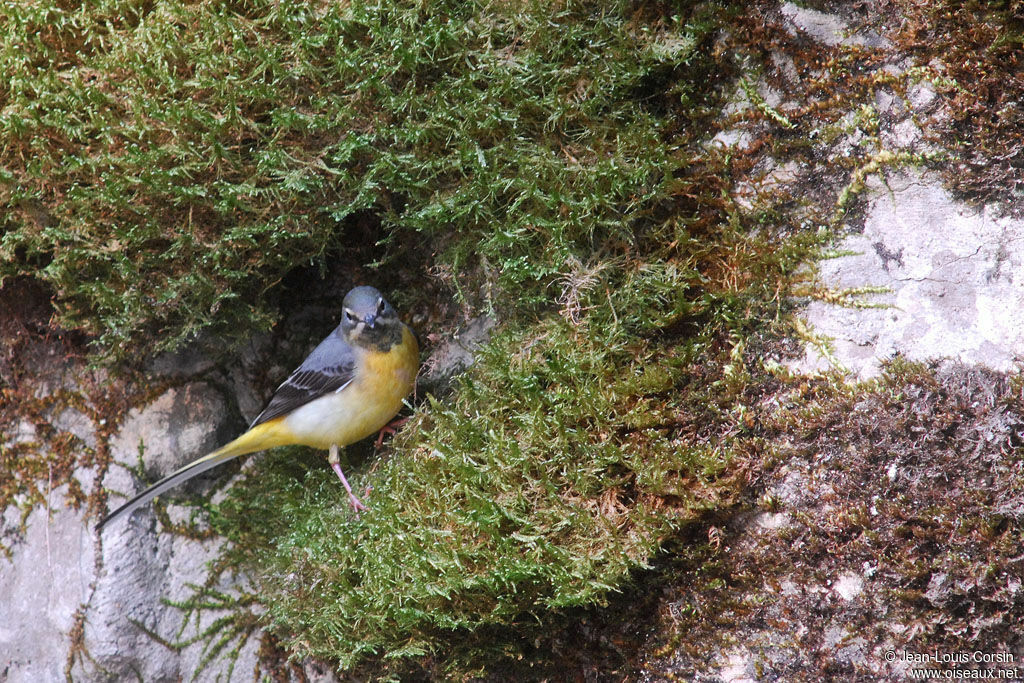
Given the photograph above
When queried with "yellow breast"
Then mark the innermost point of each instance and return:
(366, 404)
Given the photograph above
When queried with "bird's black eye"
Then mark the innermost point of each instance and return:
(380, 307)
(350, 316)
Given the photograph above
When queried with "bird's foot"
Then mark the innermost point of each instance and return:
(357, 504)
(389, 428)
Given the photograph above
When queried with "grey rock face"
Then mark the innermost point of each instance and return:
(68, 611)
(828, 29)
(43, 584)
(181, 425)
(945, 281)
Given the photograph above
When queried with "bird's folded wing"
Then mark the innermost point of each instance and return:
(328, 369)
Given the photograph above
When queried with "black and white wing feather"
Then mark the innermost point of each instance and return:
(328, 369)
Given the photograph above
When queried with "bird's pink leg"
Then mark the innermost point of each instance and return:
(357, 504)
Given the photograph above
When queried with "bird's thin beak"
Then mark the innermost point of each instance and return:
(370, 320)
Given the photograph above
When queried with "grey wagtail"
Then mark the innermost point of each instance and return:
(349, 387)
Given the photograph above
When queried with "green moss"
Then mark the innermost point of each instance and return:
(164, 167)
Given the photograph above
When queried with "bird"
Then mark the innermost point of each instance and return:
(349, 387)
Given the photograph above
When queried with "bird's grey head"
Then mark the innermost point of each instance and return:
(367, 318)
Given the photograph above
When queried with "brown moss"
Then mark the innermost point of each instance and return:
(978, 45)
(910, 484)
